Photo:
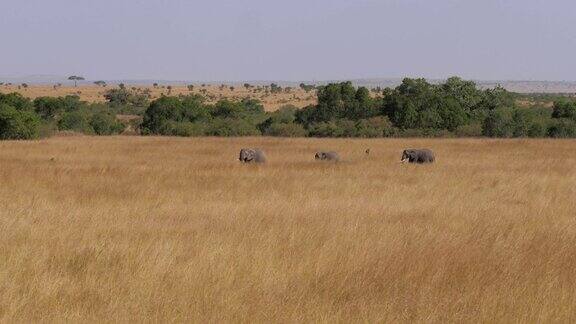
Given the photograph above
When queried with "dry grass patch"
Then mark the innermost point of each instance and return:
(166, 229)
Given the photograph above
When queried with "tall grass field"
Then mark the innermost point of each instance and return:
(118, 229)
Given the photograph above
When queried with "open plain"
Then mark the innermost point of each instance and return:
(172, 229)
(93, 93)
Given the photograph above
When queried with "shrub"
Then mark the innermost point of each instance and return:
(470, 130)
(562, 128)
(347, 127)
(18, 124)
(231, 127)
(184, 129)
(105, 124)
(285, 130)
(75, 121)
(497, 124)
(16, 101)
(325, 129)
(537, 129)
(160, 112)
(379, 126)
(564, 109)
(47, 128)
(194, 109)
(48, 107)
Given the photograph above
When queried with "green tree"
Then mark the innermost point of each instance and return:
(16, 100)
(49, 107)
(564, 109)
(496, 98)
(464, 92)
(160, 112)
(119, 96)
(18, 124)
(562, 128)
(497, 124)
(75, 121)
(194, 109)
(105, 124)
(75, 78)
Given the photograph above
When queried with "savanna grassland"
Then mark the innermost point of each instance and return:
(172, 229)
(95, 94)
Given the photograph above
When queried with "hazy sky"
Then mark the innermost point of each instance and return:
(289, 40)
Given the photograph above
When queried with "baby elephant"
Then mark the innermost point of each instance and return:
(248, 155)
(327, 156)
(418, 156)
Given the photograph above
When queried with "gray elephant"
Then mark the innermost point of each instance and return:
(418, 156)
(248, 155)
(327, 156)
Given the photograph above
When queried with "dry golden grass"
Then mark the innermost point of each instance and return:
(166, 229)
(93, 93)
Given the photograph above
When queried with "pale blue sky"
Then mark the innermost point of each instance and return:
(289, 40)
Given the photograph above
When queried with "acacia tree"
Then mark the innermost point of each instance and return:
(75, 78)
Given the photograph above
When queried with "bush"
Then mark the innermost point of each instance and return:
(537, 129)
(562, 128)
(75, 121)
(194, 109)
(375, 127)
(18, 124)
(285, 130)
(470, 130)
(48, 107)
(160, 112)
(231, 127)
(47, 129)
(325, 129)
(497, 124)
(372, 127)
(243, 109)
(347, 127)
(285, 114)
(105, 124)
(364, 129)
(564, 109)
(16, 101)
(184, 129)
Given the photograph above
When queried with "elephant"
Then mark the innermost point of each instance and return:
(248, 155)
(418, 156)
(327, 156)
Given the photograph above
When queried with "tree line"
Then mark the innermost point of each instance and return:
(455, 108)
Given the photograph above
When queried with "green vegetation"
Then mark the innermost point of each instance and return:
(190, 116)
(22, 118)
(416, 108)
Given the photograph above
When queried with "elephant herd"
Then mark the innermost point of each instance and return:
(255, 155)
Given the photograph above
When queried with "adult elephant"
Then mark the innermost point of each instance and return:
(418, 156)
(252, 155)
(327, 156)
